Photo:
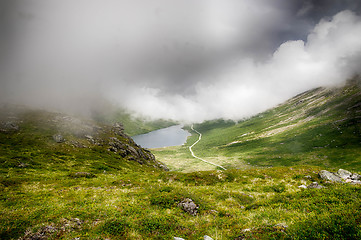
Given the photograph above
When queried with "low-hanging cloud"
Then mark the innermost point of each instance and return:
(326, 58)
(186, 60)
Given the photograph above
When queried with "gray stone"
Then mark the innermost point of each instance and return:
(58, 138)
(315, 185)
(326, 175)
(356, 176)
(206, 237)
(188, 206)
(11, 126)
(344, 174)
(302, 186)
(178, 238)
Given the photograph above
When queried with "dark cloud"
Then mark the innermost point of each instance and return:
(177, 57)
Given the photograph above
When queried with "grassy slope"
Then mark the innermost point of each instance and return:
(126, 200)
(320, 127)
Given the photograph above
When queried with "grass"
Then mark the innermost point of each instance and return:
(81, 190)
(320, 127)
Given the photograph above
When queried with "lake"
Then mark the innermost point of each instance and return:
(165, 137)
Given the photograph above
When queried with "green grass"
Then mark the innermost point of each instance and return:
(42, 192)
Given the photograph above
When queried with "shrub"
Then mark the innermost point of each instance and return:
(329, 226)
(115, 227)
(157, 224)
(279, 188)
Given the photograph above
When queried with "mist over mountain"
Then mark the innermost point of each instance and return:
(184, 60)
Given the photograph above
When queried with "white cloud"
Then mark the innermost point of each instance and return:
(251, 87)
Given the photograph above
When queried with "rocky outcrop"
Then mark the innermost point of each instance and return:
(188, 206)
(329, 176)
(125, 146)
(341, 176)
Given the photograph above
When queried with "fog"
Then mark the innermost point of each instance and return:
(185, 60)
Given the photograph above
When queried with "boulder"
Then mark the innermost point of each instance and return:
(178, 238)
(206, 237)
(344, 174)
(58, 138)
(326, 175)
(302, 186)
(188, 206)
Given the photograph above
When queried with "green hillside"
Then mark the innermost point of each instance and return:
(320, 127)
(63, 177)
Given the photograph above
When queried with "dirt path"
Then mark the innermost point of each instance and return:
(190, 149)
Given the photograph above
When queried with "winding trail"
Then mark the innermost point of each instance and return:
(190, 149)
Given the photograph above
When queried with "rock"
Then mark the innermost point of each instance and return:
(178, 238)
(58, 138)
(188, 206)
(326, 175)
(308, 177)
(45, 232)
(302, 186)
(9, 127)
(356, 176)
(206, 237)
(344, 174)
(315, 185)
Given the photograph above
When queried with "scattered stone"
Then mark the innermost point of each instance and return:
(308, 177)
(188, 206)
(206, 237)
(22, 165)
(315, 185)
(326, 175)
(344, 174)
(178, 238)
(58, 138)
(302, 186)
(90, 138)
(43, 233)
(9, 126)
(281, 227)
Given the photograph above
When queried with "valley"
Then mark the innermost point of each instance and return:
(66, 177)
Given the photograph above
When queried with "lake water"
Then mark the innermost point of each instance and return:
(165, 137)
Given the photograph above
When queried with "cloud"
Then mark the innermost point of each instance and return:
(326, 58)
(187, 60)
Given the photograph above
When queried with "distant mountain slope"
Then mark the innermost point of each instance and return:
(133, 125)
(319, 127)
(65, 144)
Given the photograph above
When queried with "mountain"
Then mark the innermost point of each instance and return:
(65, 177)
(319, 127)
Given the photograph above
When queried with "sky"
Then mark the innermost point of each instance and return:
(187, 60)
